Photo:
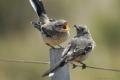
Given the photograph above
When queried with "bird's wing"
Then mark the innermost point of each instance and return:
(60, 64)
(69, 48)
(88, 47)
(37, 24)
(48, 32)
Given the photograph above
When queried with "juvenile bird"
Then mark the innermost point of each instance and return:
(54, 32)
(76, 51)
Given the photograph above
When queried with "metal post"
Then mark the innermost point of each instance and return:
(62, 73)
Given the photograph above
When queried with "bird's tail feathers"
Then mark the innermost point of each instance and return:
(51, 71)
(39, 9)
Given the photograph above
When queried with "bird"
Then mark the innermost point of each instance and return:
(76, 51)
(54, 32)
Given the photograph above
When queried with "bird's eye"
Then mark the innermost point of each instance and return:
(82, 29)
(85, 32)
(59, 25)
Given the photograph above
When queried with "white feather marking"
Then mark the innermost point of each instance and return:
(33, 5)
(51, 74)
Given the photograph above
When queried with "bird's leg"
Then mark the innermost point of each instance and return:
(73, 65)
(59, 46)
(50, 45)
(83, 65)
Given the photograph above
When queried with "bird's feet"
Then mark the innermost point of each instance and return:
(60, 46)
(74, 66)
(83, 66)
(53, 46)
(50, 45)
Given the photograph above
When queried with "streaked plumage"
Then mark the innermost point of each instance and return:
(53, 31)
(76, 51)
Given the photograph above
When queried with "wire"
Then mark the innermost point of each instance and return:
(100, 68)
(23, 61)
(43, 62)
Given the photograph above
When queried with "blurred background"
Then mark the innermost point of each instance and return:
(21, 41)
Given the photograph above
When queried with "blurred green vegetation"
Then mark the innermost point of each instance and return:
(19, 40)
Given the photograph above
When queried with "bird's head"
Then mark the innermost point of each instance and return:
(61, 26)
(81, 30)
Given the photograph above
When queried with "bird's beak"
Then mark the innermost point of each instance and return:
(66, 26)
(77, 27)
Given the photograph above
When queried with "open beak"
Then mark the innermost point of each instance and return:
(66, 26)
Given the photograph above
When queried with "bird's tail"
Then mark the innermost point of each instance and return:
(39, 9)
(51, 71)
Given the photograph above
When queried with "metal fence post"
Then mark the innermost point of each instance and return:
(62, 73)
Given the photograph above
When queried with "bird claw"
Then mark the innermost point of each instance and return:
(60, 46)
(50, 46)
(84, 66)
(74, 66)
